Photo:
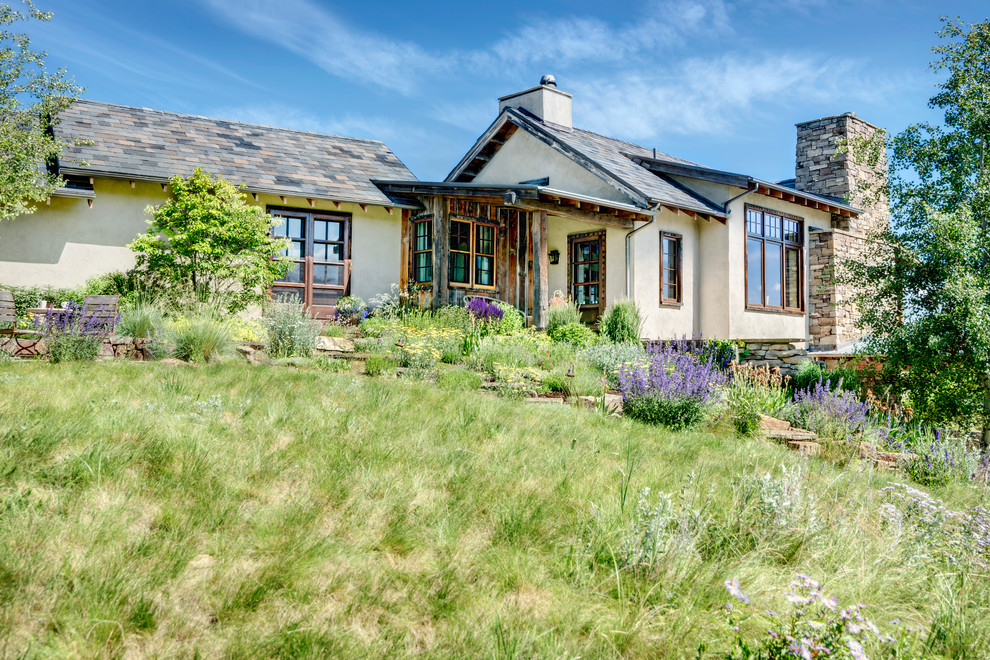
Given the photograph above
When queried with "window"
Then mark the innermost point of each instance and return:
(670, 269)
(472, 254)
(774, 256)
(423, 251)
(587, 277)
(319, 246)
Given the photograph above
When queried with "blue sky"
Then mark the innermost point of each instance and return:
(718, 82)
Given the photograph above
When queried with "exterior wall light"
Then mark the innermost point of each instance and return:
(554, 256)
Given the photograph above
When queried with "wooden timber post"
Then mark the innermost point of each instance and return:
(437, 206)
(541, 269)
(405, 254)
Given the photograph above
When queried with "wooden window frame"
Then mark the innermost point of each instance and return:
(677, 271)
(308, 261)
(783, 245)
(415, 253)
(472, 254)
(571, 284)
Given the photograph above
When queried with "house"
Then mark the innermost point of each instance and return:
(345, 232)
(538, 205)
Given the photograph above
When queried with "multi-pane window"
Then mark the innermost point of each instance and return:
(472, 254)
(586, 265)
(423, 251)
(319, 249)
(774, 256)
(670, 269)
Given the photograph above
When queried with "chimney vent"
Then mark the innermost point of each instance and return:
(545, 102)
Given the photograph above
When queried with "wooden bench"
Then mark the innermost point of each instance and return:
(100, 312)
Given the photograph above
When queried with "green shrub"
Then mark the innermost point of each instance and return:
(809, 373)
(351, 309)
(198, 337)
(621, 323)
(459, 380)
(140, 320)
(380, 365)
(605, 357)
(333, 329)
(26, 298)
(290, 330)
(333, 365)
(454, 317)
(294, 361)
(69, 347)
(561, 311)
(573, 333)
(674, 414)
(512, 320)
(754, 392)
(557, 381)
(126, 284)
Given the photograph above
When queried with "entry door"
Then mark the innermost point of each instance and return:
(320, 249)
(586, 256)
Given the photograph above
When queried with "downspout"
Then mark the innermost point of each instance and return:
(755, 186)
(629, 234)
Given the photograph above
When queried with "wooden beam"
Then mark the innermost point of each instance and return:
(364, 207)
(312, 202)
(605, 219)
(405, 257)
(336, 203)
(282, 197)
(788, 197)
(132, 183)
(255, 195)
(437, 205)
(776, 193)
(541, 269)
(388, 209)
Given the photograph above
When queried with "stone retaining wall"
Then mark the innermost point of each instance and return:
(133, 348)
(783, 355)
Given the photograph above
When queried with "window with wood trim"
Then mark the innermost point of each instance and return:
(774, 261)
(422, 251)
(319, 246)
(472, 254)
(670, 269)
(586, 269)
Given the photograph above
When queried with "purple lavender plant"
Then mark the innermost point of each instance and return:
(671, 371)
(484, 310)
(73, 319)
(834, 413)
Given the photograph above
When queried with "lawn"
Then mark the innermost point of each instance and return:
(236, 510)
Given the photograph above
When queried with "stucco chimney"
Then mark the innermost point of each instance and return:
(544, 101)
(819, 169)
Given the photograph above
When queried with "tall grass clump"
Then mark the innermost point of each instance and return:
(755, 391)
(606, 358)
(143, 320)
(199, 336)
(290, 330)
(621, 322)
(561, 311)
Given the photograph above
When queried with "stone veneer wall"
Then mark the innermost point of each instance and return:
(819, 169)
(780, 354)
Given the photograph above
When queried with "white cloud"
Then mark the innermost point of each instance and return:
(715, 95)
(342, 50)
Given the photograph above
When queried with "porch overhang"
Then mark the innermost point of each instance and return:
(526, 196)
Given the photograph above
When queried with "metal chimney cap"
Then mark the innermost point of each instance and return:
(549, 81)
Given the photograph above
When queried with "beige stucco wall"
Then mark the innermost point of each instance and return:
(524, 158)
(65, 243)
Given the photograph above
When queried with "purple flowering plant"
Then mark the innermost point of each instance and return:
(815, 626)
(72, 319)
(484, 310)
(831, 412)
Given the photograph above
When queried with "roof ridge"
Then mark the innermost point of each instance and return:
(230, 121)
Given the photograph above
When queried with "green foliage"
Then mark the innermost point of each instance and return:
(674, 414)
(28, 297)
(351, 309)
(380, 365)
(808, 373)
(376, 326)
(754, 392)
(923, 288)
(940, 460)
(70, 347)
(577, 334)
(208, 241)
(512, 320)
(333, 329)
(621, 323)
(561, 311)
(140, 320)
(30, 102)
(333, 365)
(605, 357)
(199, 336)
(458, 380)
(290, 330)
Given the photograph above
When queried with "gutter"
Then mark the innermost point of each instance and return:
(653, 218)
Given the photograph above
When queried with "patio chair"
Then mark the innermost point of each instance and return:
(100, 312)
(8, 317)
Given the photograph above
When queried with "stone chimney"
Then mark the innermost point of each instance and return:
(819, 170)
(544, 101)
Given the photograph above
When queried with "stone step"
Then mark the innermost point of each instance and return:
(613, 402)
(804, 447)
(792, 434)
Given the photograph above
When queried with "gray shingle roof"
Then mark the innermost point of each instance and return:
(613, 159)
(156, 145)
